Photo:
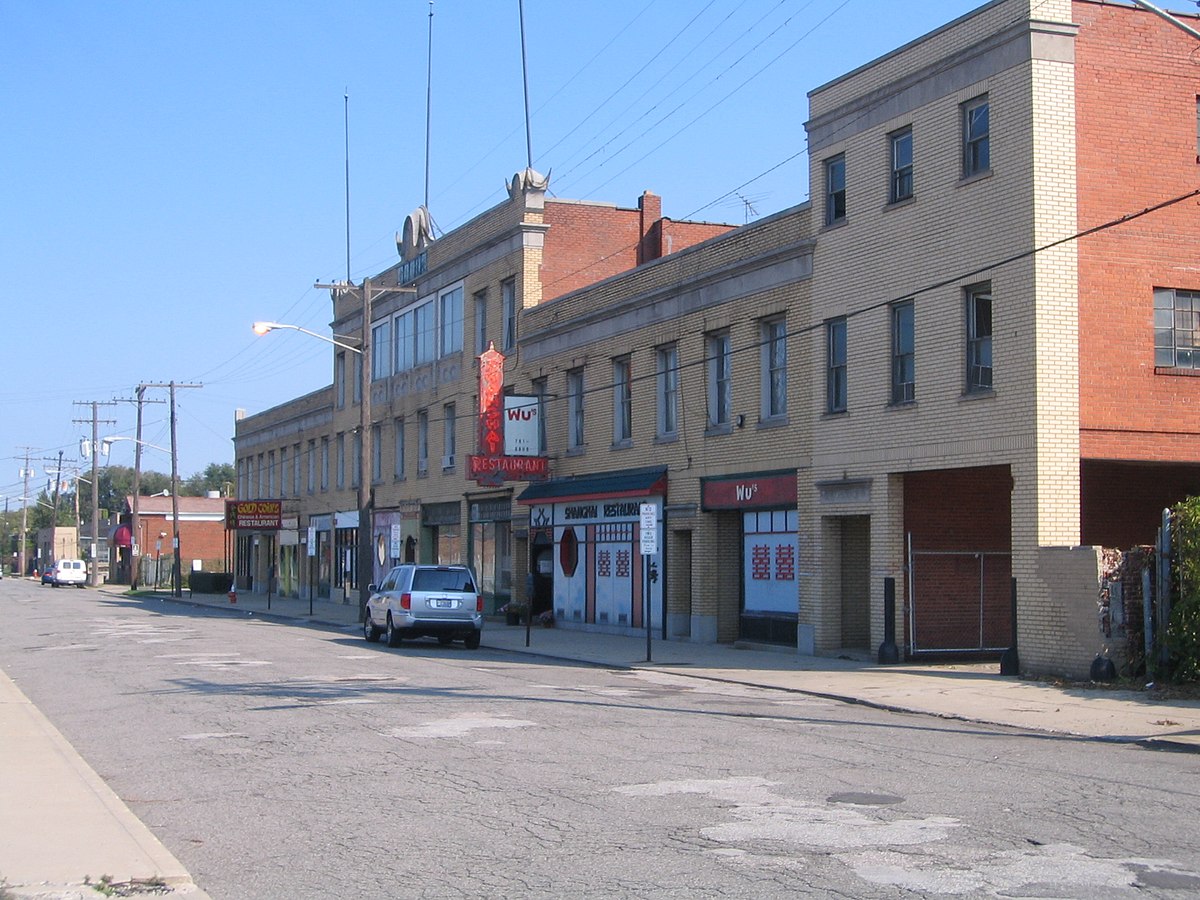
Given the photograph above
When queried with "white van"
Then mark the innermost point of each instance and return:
(70, 571)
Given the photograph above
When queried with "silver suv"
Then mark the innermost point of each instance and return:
(415, 601)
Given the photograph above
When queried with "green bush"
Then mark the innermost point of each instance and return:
(1183, 628)
(210, 582)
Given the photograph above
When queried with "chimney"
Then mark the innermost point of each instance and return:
(650, 215)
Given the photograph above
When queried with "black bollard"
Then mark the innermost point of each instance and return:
(1009, 663)
(888, 651)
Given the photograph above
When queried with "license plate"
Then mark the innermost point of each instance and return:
(441, 603)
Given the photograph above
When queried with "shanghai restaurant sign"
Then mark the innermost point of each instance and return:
(508, 430)
(259, 515)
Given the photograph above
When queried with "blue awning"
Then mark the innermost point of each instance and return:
(651, 481)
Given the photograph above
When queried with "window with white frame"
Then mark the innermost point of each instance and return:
(718, 361)
(773, 355)
(340, 449)
(449, 440)
(508, 303)
(450, 320)
(979, 338)
(1176, 329)
(422, 442)
(423, 324)
(404, 342)
(398, 447)
(339, 379)
(904, 371)
(835, 189)
(901, 187)
(480, 321)
(575, 433)
(667, 390)
(381, 350)
(977, 157)
(835, 366)
(622, 378)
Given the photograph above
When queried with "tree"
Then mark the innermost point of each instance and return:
(215, 477)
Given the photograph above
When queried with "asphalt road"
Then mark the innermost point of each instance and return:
(283, 761)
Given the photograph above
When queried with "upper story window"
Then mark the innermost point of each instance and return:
(718, 362)
(422, 442)
(381, 350)
(270, 474)
(902, 166)
(480, 321)
(450, 321)
(398, 447)
(540, 389)
(979, 338)
(773, 368)
(977, 156)
(449, 441)
(835, 366)
(835, 189)
(575, 434)
(341, 460)
(904, 378)
(339, 378)
(404, 343)
(1176, 329)
(622, 401)
(508, 302)
(667, 390)
(423, 326)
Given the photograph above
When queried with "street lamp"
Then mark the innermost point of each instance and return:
(261, 328)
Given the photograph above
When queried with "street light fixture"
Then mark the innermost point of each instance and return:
(261, 328)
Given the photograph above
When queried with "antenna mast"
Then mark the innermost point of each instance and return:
(428, 100)
(347, 120)
(525, 85)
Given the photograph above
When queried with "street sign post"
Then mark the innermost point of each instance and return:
(649, 544)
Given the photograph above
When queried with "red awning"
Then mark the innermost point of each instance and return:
(122, 536)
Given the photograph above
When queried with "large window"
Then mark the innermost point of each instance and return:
(406, 342)
(835, 366)
(381, 350)
(979, 338)
(718, 360)
(904, 379)
(622, 401)
(449, 441)
(774, 369)
(667, 390)
(902, 166)
(423, 325)
(508, 302)
(976, 137)
(1176, 329)
(575, 409)
(450, 316)
(835, 189)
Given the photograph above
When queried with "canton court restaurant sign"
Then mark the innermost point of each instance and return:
(509, 429)
(257, 515)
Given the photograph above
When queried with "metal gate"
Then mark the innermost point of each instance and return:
(959, 601)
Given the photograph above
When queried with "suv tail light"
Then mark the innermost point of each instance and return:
(479, 603)
(406, 600)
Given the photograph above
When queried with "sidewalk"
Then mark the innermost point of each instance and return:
(970, 692)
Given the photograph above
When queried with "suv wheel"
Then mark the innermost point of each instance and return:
(471, 641)
(393, 633)
(370, 630)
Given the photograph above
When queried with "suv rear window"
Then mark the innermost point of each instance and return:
(442, 580)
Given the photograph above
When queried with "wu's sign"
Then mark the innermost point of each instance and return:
(522, 425)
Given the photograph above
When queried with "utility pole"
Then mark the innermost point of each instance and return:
(94, 557)
(176, 570)
(26, 474)
(135, 550)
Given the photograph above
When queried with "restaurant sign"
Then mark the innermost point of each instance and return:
(258, 515)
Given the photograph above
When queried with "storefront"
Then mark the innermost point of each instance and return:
(394, 535)
(287, 578)
(490, 520)
(441, 524)
(345, 554)
(320, 555)
(593, 526)
(765, 505)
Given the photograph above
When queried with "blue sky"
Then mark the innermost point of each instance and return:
(171, 172)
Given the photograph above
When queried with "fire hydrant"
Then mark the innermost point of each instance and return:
(233, 596)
